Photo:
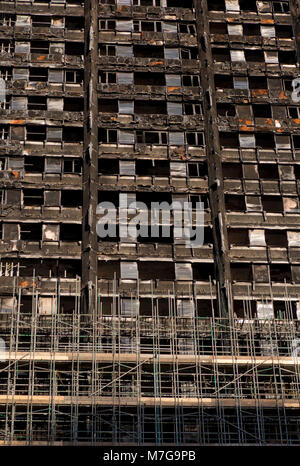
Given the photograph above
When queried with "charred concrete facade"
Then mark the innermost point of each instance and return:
(149, 341)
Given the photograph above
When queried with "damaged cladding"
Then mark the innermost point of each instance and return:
(162, 100)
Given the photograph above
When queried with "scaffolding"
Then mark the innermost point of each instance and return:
(129, 378)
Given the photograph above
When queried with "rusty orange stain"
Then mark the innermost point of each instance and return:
(16, 122)
(155, 63)
(246, 122)
(113, 118)
(269, 121)
(279, 130)
(282, 95)
(15, 173)
(246, 128)
(267, 21)
(24, 283)
(183, 157)
(296, 120)
(173, 88)
(41, 57)
(230, 20)
(259, 91)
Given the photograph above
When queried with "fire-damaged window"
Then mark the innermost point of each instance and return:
(238, 237)
(216, 5)
(47, 305)
(72, 165)
(280, 273)
(156, 271)
(176, 138)
(241, 272)
(291, 204)
(72, 134)
(20, 74)
(52, 198)
(40, 47)
(71, 198)
(141, 2)
(203, 272)
(234, 203)
(18, 103)
(129, 270)
(53, 165)
(281, 7)
(13, 197)
(57, 22)
(150, 107)
(129, 307)
(107, 136)
(72, 48)
(183, 271)
(33, 197)
(261, 273)
(232, 171)
(108, 78)
(41, 21)
(70, 232)
(34, 164)
(38, 74)
(178, 169)
(176, 3)
(31, 231)
(36, 133)
(152, 137)
(23, 47)
(272, 204)
(108, 50)
(7, 304)
(56, 76)
(55, 104)
(147, 26)
(54, 134)
(16, 164)
(50, 232)
(257, 238)
(127, 168)
(74, 76)
(37, 103)
(192, 109)
(185, 308)
(107, 25)
(265, 310)
(276, 238)
(268, 171)
(126, 137)
(198, 170)
(124, 51)
(148, 51)
(11, 231)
